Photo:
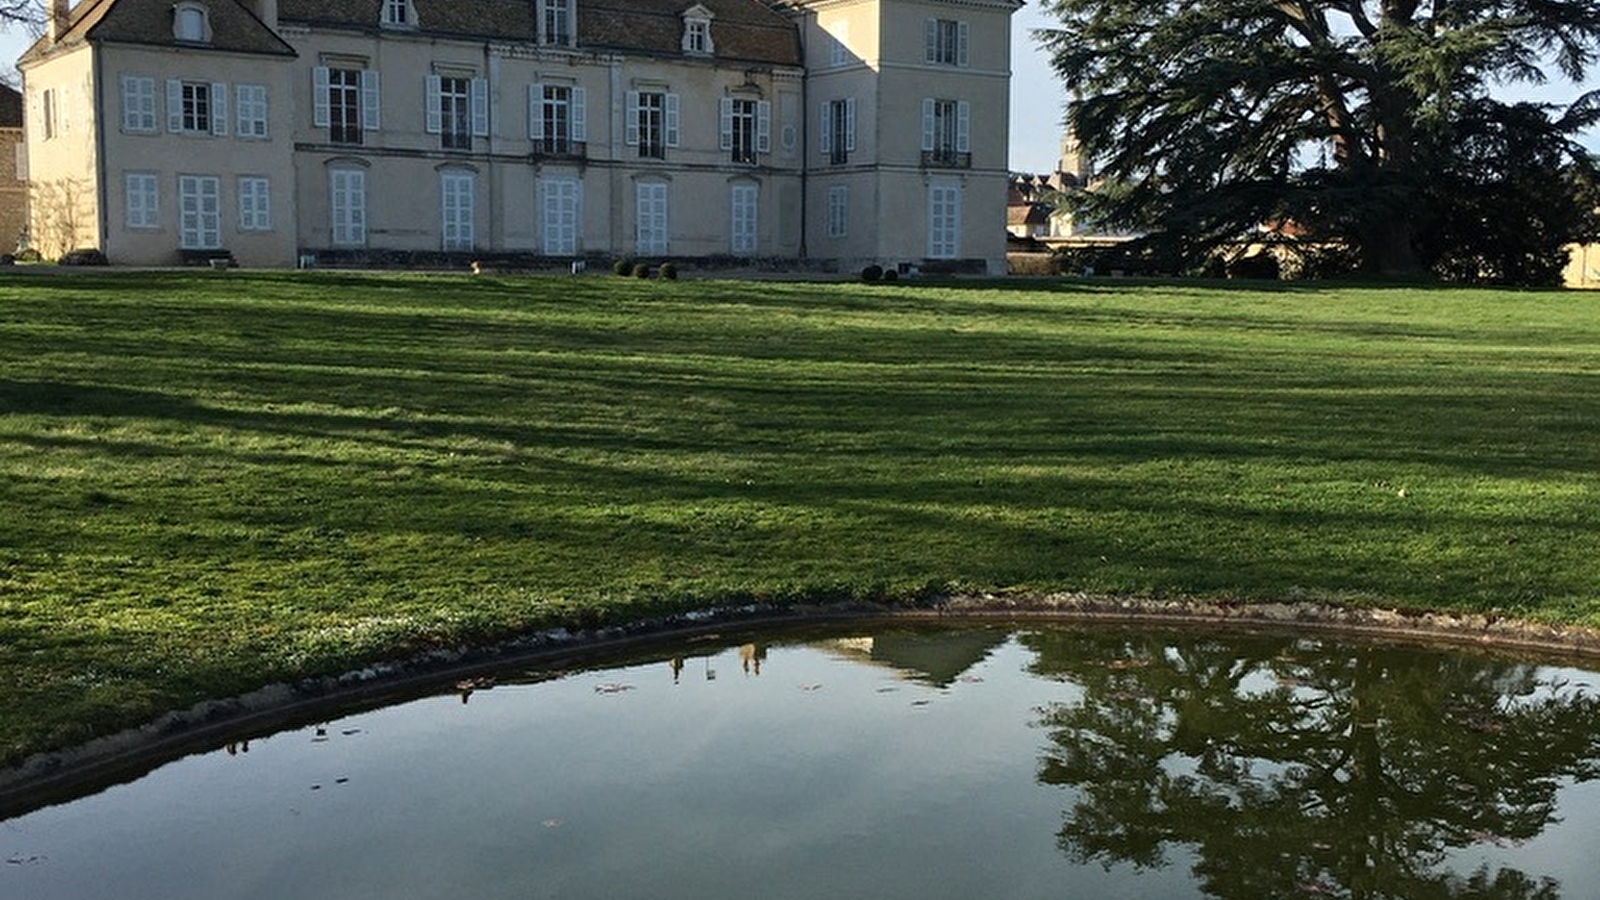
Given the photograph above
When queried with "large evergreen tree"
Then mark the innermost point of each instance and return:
(1369, 124)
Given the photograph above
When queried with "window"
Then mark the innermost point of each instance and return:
(458, 110)
(945, 133)
(398, 14)
(838, 44)
(555, 22)
(138, 104)
(556, 119)
(944, 221)
(197, 107)
(650, 217)
(142, 193)
(742, 220)
(560, 202)
(255, 204)
(838, 132)
(345, 101)
(652, 122)
(697, 37)
(251, 102)
(946, 42)
(838, 210)
(199, 212)
(347, 195)
(50, 110)
(190, 23)
(746, 128)
(455, 202)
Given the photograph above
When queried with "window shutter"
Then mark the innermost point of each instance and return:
(825, 128)
(763, 126)
(319, 97)
(129, 119)
(930, 35)
(963, 123)
(369, 100)
(536, 112)
(672, 120)
(219, 109)
(961, 44)
(726, 124)
(580, 115)
(927, 123)
(850, 124)
(433, 120)
(630, 124)
(174, 105)
(479, 89)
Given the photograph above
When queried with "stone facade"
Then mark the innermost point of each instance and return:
(289, 132)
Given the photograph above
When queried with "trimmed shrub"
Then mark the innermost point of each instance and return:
(641, 270)
(872, 273)
(669, 271)
(622, 266)
(28, 254)
(891, 275)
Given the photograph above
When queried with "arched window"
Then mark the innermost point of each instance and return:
(191, 23)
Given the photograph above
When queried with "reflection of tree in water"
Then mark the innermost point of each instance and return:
(1292, 769)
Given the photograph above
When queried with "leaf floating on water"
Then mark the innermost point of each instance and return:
(887, 689)
(612, 688)
(810, 687)
(552, 823)
(349, 731)
(26, 860)
(920, 702)
(970, 679)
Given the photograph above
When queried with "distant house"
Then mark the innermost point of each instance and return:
(1583, 266)
(312, 131)
(13, 171)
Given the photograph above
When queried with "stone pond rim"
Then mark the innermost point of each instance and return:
(60, 775)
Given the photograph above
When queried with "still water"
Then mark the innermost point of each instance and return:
(887, 762)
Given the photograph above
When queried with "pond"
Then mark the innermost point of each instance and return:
(887, 761)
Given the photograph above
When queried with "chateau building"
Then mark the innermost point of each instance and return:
(290, 132)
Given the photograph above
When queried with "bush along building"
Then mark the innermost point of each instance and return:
(374, 132)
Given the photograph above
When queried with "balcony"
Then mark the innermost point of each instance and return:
(946, 159)
(559, 148)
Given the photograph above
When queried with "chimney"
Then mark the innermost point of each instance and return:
(60, 15)
(267, 12)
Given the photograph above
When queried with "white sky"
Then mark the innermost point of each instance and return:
(1037, 96)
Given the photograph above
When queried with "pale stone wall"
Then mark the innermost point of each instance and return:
(1583, 269)
(13, 188)
(63, 181)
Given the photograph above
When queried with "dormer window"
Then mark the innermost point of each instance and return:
(399, 14)
(556, 23)
(191, 24)
(697, 31)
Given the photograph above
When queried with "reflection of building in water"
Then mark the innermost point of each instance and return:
(750, 658)
(934, 657)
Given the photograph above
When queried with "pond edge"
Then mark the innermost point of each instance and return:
(61, 775)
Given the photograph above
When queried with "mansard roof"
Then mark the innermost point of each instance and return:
(234, 28)
(742, 30)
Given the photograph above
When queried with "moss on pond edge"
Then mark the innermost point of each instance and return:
(61, 775)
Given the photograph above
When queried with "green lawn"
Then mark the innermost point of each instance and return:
(211, 481)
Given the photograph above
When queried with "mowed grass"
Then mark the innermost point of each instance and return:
(209, 482)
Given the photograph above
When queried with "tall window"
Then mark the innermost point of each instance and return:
(347, 196)
(742, 220)
(652, 122)
(197, 107)
(251, 102)
(944, 221)
(838, 210)
(746, 128)
(199, 212)
(945, 132)
(455, 201)
(697, 36)
(556, 119)
(138, 104)
(838, 129)
(50, 111)
(255, 204)
(345, 101)
(555, 22)
(560, 203)
(650, 217)
(142, 193)
(946, 41)
(458, 110)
